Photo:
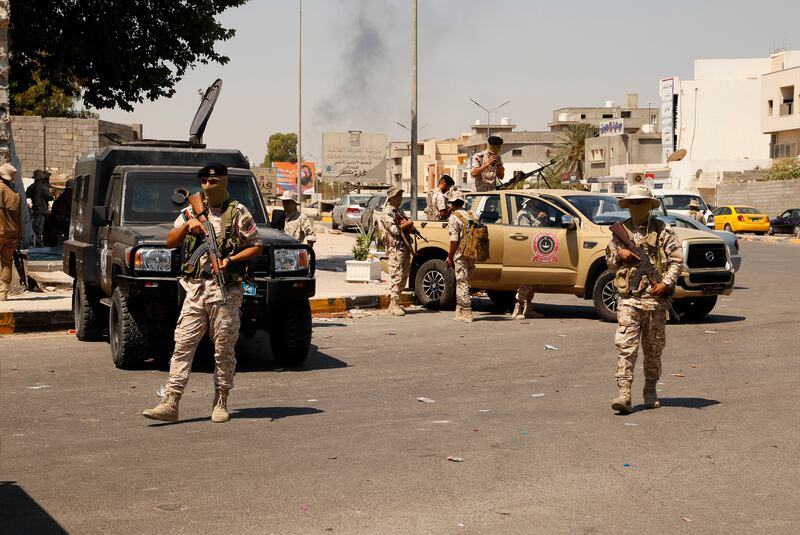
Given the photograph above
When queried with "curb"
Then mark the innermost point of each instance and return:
(769, 239)
(56, 320)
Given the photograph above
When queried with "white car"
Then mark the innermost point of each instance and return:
(677, 201)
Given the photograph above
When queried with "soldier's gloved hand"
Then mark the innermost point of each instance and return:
(628, 256)
(659, 290)
(196, 227)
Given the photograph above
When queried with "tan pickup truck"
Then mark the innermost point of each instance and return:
(555, 240)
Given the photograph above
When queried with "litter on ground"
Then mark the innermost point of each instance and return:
(453, 458)
(426, 400)
(550, 347)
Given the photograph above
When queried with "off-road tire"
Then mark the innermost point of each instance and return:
(728, 227)
(435, 285)
(125, 333)
(605, 297)
(503, 299)
(290, 333)
(695, 309)
(88, 311)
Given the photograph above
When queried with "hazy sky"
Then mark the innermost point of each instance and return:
(540, 55)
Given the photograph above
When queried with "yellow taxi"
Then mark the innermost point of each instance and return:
(740, 219)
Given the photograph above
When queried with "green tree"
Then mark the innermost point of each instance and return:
(281, 148)
(786, 169)
(569, 154)
(111, 53)
(41, 98)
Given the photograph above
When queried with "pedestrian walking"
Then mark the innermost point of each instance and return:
(642, 311)
(487, 167)
(10, 206)
(437, 199)
(463, 265)
(40, 195)
(205, 307)
(695, 213)
(297, 224)
(392, 223)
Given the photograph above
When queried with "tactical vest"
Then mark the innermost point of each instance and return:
(228, 244)
(652, 246)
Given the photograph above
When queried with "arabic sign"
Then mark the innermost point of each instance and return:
(611, 127)
(354, 157)
(667, 117)
(287, 177)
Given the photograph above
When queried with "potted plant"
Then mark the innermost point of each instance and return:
(361, 268)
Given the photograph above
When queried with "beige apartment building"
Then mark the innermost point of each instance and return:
(631, 115)
(780, 95)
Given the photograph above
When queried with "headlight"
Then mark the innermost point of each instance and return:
(152, 259)
(290, 260)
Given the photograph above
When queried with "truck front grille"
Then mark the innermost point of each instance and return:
(706, 255)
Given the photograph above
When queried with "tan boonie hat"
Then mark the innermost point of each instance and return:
(288, 196)
(393, 191)
(8, 172)
(694, 204)
(455, 196)
(637, 193)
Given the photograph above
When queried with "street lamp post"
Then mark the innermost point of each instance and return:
(488, 114)
(414, 110)
(300, 105)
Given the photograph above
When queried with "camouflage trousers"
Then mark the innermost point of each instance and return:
(525, 293)
(399, 261)
(635, 326)
(222, 323)
(463, 269)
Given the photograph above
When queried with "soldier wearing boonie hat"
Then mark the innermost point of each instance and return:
(297, 224)
(463, 267)
(392, 223)
(642, 311)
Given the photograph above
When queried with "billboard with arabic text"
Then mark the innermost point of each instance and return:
(286, 177)
(354, 157)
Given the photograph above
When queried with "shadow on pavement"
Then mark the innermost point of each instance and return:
(20, 514)
(333, 263)
(715, 318)
(689, 403)
(271, 413)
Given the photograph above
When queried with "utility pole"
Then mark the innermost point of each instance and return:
(5, 115)
(414, 111)
(300, 106)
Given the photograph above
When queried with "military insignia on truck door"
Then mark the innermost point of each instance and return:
(545, 248)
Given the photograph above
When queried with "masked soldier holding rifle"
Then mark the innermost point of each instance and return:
(393, 222)
(213, 272)
(644, 297)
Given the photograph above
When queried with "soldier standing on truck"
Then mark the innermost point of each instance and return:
(10, 205)
(205, 307)
(457, 224)
(392, 223)
(297, 225)
(642, 311)
(487, 166)
(437, 200)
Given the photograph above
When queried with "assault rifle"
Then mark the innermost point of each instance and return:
(644, 268)
(409, 235)
(519, 177)
(210, 243)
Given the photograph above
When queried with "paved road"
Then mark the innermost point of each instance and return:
(344, 447)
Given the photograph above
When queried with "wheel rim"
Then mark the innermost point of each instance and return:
(433, 284)
(610, 296)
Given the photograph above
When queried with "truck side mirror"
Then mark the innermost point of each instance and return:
(100, 216)
(278, 219)
(569, 222)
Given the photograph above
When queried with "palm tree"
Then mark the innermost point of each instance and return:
(570, 153)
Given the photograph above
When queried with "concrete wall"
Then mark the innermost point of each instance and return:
(54, 142)
(771, 197)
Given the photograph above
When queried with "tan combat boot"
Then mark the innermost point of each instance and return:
(166, 411)
(458, 316)
(466, 315)
(394, 307)
(518, 312)
(622, 403)
(220, 412)
(530, 313)
(650, 395)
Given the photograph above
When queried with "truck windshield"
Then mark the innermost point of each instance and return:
(600, 209)
(148, 196)
(681, 202)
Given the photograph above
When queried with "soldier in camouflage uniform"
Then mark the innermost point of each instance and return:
(463, 266)
(695, 213)
(487, 166)
(523, 309)
(297, 225)
(437, 200)
(203, 308)
(392, 223)
(642, 311)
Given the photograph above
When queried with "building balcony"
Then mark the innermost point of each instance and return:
(786, 109)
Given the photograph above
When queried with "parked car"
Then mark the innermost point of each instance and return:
(677, 201)
(378, 202)
(741, 219)
(347, 212)
(731, 240)
(565, 255)
(786, 223)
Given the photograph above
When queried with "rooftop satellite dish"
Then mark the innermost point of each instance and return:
(698, 173)
(677, 156)
(204, 112)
